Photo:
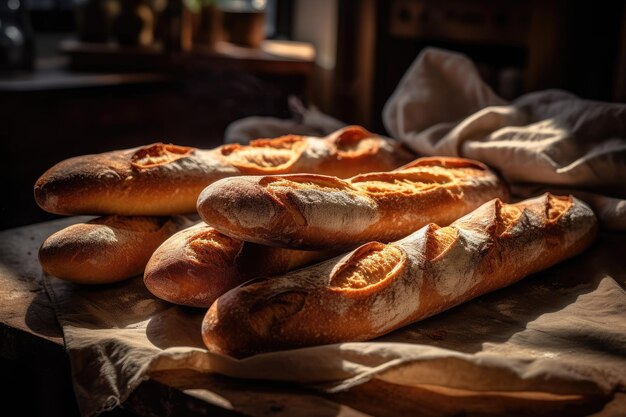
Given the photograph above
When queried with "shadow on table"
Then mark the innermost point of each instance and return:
(497, 317)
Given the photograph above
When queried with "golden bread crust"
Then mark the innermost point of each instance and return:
(166, 179)
(106, 249)
(308, 211)
(197, 265)
(380, 287)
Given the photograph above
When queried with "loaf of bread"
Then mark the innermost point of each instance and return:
(380, 287)
(162, 179)
(199, 264)
(315, 211)
(106, 249)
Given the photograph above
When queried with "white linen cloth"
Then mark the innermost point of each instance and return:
(548, 140)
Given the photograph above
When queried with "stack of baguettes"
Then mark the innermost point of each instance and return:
(419, 239)
(142, 193)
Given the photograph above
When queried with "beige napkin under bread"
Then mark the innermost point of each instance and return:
(562, 330)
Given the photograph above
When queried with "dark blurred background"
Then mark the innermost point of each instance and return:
(87, 76)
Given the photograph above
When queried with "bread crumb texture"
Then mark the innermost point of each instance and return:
(506, 217)
(407, 182)
(277, 308)
(371, 265)
(213, 248)
(556, 206)
(159, 154)
(276, 154)
(355, 141)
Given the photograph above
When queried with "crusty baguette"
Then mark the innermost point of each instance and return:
(316, 211)
(162, 179)
(106, 249)
(380, 287)
(197, 265)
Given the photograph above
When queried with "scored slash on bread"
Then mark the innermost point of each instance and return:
(166, 179)
(197, 265)
(380, 287)
(308, 211)
(106, 249)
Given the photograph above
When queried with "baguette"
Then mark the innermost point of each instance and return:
(106, 249)
(380, 287)
(165, 179)
(315, 211)
(197, 265)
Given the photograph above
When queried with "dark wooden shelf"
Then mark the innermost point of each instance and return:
(273, 57)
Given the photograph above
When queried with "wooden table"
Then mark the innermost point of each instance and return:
(31, 346)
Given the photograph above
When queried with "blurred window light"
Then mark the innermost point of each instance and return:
(13, 4)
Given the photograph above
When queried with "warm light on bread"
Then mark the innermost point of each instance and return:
(106, 249)
(166, 179)
(370, 265)
(308, 211)
(380, 287)
(199, 264)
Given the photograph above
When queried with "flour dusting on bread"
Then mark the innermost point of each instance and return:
(317, 148)
(334, 210)
(452, 273)
(103, 234)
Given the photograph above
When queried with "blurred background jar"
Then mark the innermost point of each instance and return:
(172, 28)
(244, 21)
(134, 25)
(185, 24)
(17, 41)
(206, 22)
(95, 18)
